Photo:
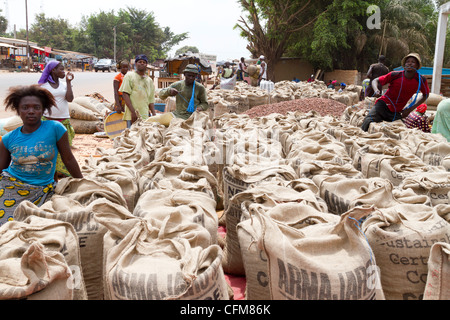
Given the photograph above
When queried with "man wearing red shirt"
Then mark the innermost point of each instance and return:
(402, 86)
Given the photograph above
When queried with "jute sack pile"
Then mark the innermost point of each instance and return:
(374, 143)
(249, 231)
(85, 126)
(438, 279)
(325, 261)
(86, 191)
(90, 235)
(389, 164)
(38, 257)
(122, 173)
(433, 149)
(137, 144)
(342, 194)
(435, 185)
(237, 179)
(81, 113)
(168, 176)
(309, 169)
(149, 259)
(268, 195)
(92, 104)
(393, 129)
(194, 207)
(401, 238)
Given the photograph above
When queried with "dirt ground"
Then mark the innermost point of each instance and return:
(85, 145)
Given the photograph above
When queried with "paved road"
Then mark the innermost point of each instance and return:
(83, 83)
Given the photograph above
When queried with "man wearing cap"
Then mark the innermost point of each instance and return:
(190, 95)
(402, 86)
(138, 92)
(418, 119)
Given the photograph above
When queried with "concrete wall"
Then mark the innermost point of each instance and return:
(288, 68)
(346, 76)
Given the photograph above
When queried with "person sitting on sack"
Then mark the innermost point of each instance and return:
(190, 96)
(418, 119)
(402, 86)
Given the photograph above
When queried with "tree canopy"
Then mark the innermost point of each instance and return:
(333, 34)
(137, 32)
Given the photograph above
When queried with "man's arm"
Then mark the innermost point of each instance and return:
(127, 99)
(406, 112)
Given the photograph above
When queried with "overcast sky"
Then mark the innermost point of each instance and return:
(209, 22)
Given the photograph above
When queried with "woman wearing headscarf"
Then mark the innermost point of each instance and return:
(441, 122)
(62, 91)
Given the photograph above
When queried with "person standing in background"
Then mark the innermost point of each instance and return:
(376, 70)
(263, 71)
(241, 70)
(138, 92)
(62, 91)
(117, 83)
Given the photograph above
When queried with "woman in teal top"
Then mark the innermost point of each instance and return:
(28, 154)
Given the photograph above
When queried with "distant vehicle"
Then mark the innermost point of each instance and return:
(105, 65)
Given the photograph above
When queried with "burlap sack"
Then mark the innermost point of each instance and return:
(438, 279)
(92, 104)
(90, 234)
(136, 146)
(148, 259)
(435, 185)
(194, 207)
(249, 232)
(53, 240)
(33, 273)
(237, 179)
(81, 113)
(168, 176)
(13, 123)
(342, 194)
(401, 238)
(309, 169)
(394, 168)
(84, 126)
(122, 173)
(325, 261)
(86, 191)
(268, 195)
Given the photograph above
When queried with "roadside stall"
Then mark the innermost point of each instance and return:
(7, 56)
(174, 68)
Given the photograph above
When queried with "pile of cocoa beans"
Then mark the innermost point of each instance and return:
(322, 106)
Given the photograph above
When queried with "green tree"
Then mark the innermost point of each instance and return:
(185, 49)
(270, 24)
(3, 24)
(50, 32)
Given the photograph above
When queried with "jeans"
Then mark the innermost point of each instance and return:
(380, 112)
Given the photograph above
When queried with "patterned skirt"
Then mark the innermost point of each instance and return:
(14, 191)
